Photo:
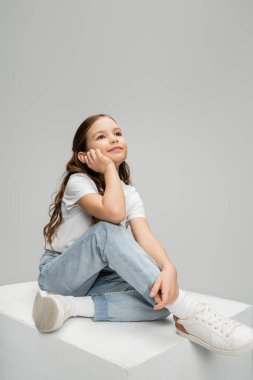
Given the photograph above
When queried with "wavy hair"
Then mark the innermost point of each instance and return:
(74, 165)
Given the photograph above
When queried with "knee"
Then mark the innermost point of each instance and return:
(108, 230)
(106, 225)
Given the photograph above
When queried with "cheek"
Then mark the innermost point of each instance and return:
(99, 144)
(102, 146)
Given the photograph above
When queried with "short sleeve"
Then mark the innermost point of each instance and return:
(78, 185)
(135, 205)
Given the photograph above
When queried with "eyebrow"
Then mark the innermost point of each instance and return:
(105, 131)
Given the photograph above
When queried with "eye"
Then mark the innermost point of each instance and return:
(98, 138)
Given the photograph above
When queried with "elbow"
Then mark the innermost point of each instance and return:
(119, 216)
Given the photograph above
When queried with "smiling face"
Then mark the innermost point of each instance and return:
(105, 134)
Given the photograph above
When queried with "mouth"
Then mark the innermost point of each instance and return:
(115, 149)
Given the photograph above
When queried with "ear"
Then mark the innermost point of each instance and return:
(80, 156)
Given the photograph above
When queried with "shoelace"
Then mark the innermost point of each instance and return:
(214, 319)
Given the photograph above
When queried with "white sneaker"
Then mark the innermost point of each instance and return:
(50, 311)
(213, 331)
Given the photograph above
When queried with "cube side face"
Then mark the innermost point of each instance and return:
(24, 352)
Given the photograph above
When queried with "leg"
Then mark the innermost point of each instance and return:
(75, 271)
(116, 300)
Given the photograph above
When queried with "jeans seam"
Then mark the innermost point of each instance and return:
(149, 285)
(120, 291)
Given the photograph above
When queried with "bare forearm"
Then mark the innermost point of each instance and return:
(114, 191)
(155, 249)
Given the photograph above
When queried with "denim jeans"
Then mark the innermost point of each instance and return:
(119, 294)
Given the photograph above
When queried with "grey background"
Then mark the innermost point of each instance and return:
(177, 76)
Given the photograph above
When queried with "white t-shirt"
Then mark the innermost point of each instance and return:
(76, 221)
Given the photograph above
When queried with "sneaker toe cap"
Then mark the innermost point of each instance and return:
(243, 335)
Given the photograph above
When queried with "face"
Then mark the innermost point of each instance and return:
(106, 134)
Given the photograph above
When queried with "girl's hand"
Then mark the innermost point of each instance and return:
(165, 284)
(97, 161)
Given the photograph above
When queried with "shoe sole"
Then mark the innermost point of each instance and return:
(206, 345)
(45, 313)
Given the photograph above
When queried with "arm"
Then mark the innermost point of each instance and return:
(143, 235)
(165, 288)
(114, 190)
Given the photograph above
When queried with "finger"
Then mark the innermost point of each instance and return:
(93, 154)
(90, 157)
(158, 298)
(159, 306)
(87, 158)
(154, 292)
(155, 288)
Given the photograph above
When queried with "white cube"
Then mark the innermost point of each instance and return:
(84, 349)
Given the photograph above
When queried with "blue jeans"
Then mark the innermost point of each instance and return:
(119, 294)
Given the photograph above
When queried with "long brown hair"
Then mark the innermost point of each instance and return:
(74, 165)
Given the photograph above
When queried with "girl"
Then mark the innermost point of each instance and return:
(92, 266)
